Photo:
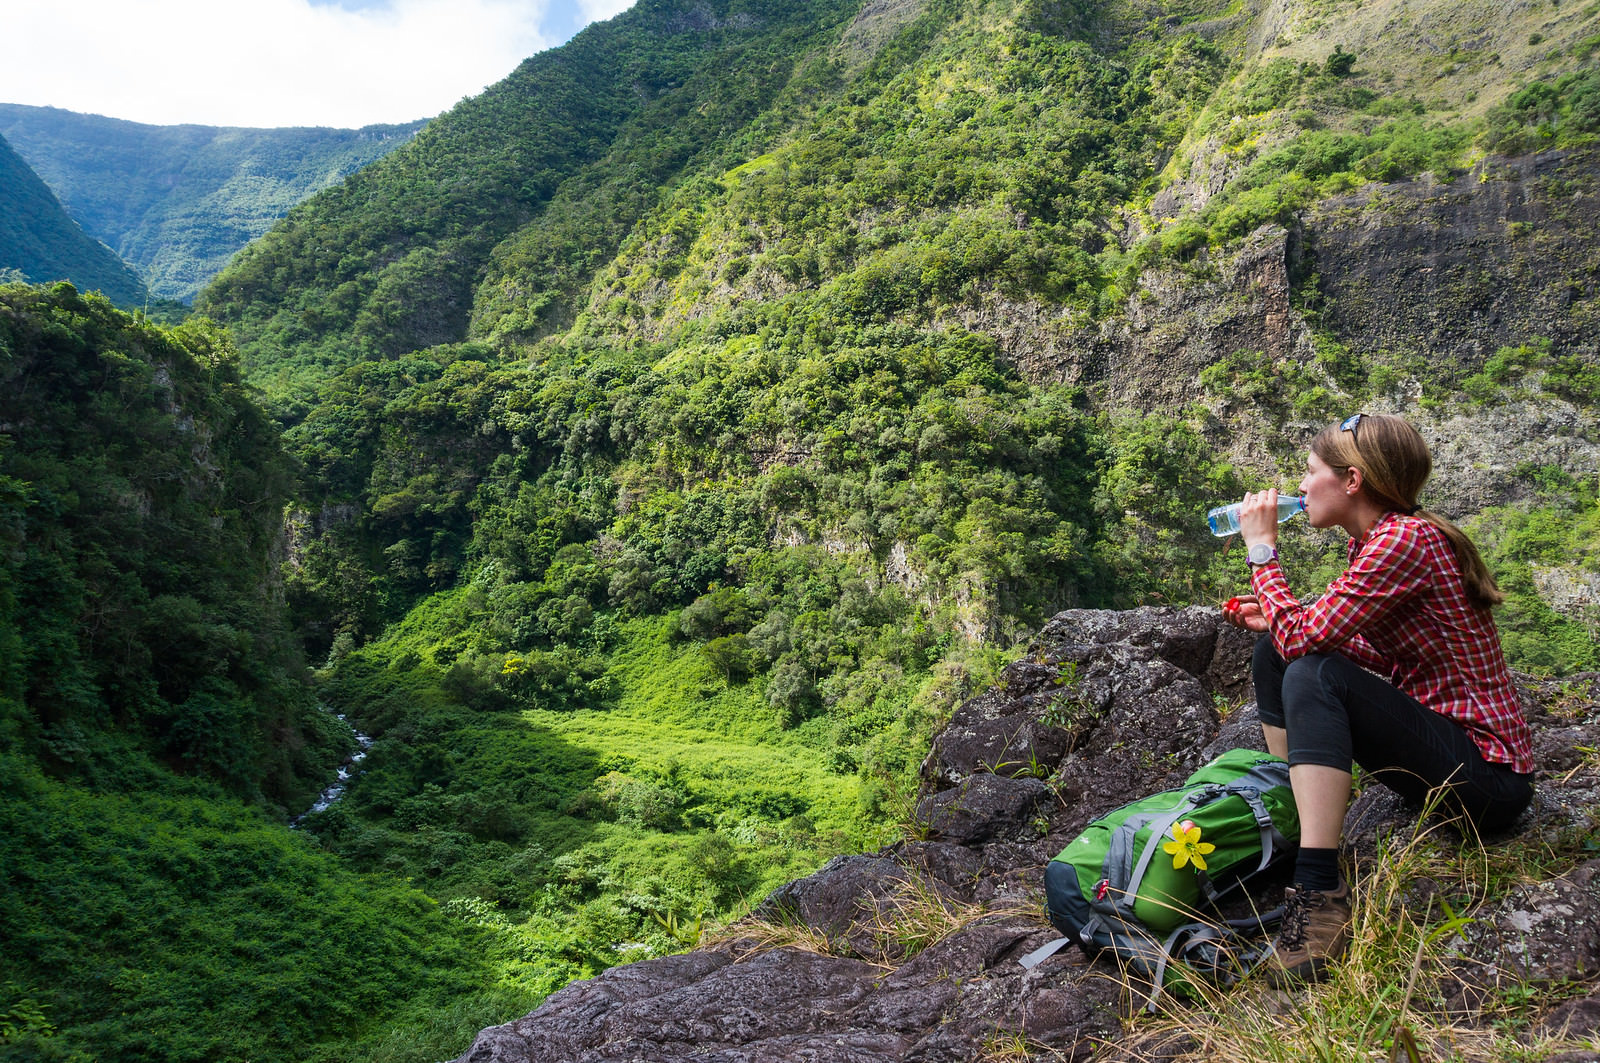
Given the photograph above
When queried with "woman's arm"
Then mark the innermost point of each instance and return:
(1390, 568)
(1364, 653)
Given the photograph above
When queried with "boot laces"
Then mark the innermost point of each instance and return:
(1296, 913)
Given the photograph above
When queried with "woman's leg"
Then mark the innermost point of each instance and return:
(1321, 791)
(1322, 797)
(1338, 712)
(1315, 929)
(1329, 711)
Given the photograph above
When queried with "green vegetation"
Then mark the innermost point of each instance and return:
(652, 464)
(1557, 112)
(148, 690)
(1532, 554)
(143, 497)
(583, 835)
(176, 202)
(1308, 132)
(384, 263)
(40, 242)
(198, 929)
(665, 680)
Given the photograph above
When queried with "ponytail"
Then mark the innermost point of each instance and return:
(1482, 591)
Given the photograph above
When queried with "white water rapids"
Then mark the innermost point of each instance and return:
(347, 771)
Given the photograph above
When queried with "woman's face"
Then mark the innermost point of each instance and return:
(1327, 492)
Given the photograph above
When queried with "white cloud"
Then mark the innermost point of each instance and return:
(600, 10)
(271, 62)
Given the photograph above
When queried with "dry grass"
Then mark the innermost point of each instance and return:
(762, 935)
(919, 914)
(1462, 55)
(914, 916)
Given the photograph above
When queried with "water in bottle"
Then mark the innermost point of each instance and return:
(1224, 520)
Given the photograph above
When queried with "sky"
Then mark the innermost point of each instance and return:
(342, 63)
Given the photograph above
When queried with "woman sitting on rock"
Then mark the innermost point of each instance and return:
(1412, 606)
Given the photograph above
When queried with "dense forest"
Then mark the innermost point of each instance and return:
(652, 452)
(176, 202)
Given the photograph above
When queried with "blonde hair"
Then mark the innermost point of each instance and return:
(1395, 463)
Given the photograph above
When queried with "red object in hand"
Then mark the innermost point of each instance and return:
(1232, 604)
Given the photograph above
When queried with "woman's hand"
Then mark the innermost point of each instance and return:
(1258, 518)
(1245, 611)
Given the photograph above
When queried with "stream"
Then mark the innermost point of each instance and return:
(347, 771)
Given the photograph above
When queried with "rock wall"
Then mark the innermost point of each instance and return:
(910, 953)
(1443, 272)
(1452, 271)
(1180, 320)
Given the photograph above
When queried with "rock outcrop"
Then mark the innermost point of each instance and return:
(910, 953)
(1433, 271)
(1453, 270)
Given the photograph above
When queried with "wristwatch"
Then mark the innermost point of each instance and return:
(1260, 554)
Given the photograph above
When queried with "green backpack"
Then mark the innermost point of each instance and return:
(1143, 881)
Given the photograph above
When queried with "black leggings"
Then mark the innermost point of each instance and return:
(1337, 712)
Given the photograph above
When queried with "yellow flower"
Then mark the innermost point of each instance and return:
(1186, 846)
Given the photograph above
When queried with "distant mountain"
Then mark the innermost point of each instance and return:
(39, 240)
(176, 202)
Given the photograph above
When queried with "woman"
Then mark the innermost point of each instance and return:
(1412, 606)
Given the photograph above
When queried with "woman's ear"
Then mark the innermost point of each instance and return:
(1352, 480)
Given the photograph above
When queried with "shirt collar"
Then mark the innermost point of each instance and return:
(1360, 541)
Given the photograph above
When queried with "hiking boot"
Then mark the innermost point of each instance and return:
(1314, 933)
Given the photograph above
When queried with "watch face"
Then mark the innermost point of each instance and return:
(1260, 554)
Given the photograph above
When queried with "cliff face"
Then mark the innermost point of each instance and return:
(1181, 320)
(1416, 284)
(910, 953)
(1444, 271)
(1452, 271)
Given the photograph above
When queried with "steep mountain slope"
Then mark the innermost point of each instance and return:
(41, 242)
(178, 201)
(142, 514)
(156, 720)
(388, 262)
(1150, 201)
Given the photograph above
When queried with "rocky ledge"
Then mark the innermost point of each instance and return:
(910, 953)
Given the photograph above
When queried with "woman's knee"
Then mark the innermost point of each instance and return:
(1315, 716)
(1306, 681)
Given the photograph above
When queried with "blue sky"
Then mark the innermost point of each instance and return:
(274, 62)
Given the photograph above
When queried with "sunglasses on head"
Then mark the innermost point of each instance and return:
(1349, 424)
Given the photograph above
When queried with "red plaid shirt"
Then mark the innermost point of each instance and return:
(1400, 609)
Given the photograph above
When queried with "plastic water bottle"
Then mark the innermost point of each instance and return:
(1224, 520)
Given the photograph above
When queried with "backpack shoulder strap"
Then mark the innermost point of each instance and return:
(1044, 952)
(1119, 855)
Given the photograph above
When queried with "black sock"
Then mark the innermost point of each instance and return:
(1317, 869)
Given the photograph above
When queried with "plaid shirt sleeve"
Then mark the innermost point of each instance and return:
(1386, 571)
(1367, 655)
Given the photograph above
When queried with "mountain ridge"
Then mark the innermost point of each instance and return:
(41, 241)
(177, 202)
(407, 274)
